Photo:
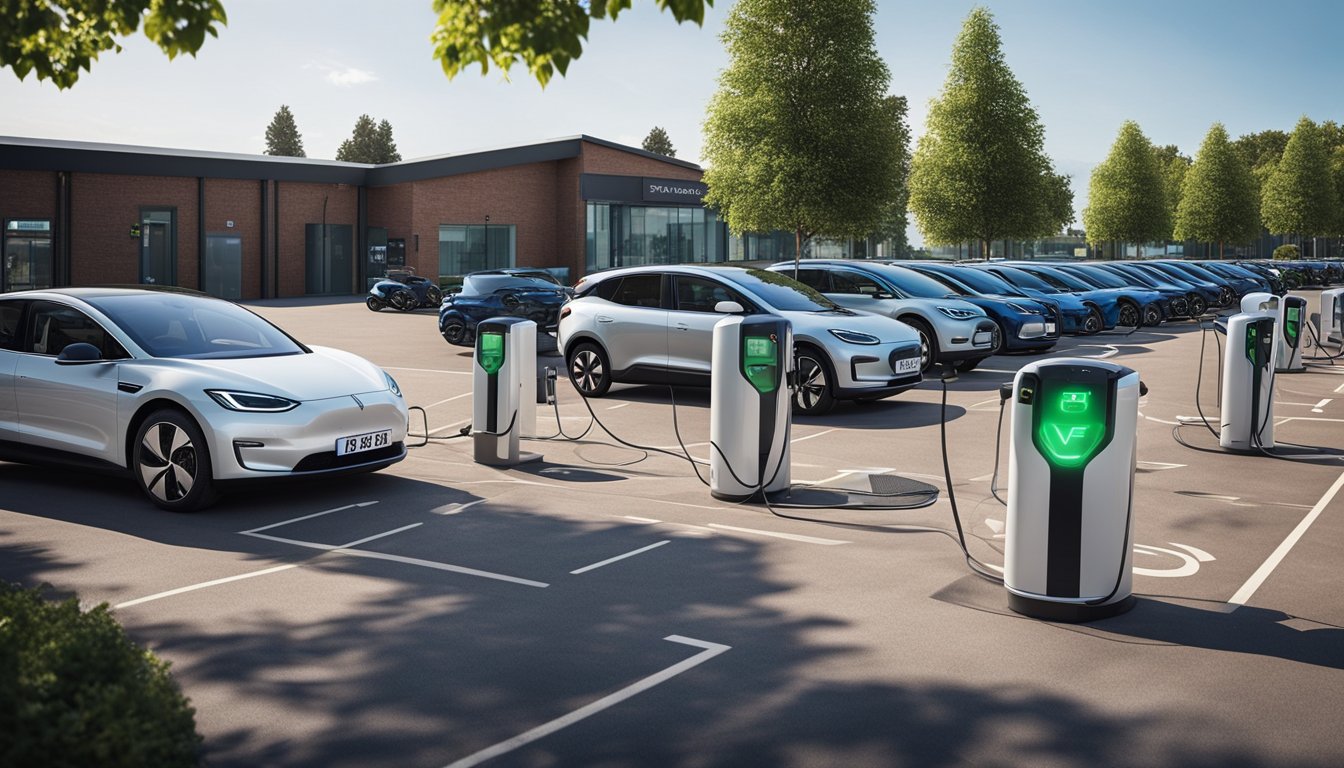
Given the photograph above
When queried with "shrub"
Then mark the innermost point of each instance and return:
(75, 691)
(1286, 252)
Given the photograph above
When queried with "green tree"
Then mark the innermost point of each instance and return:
(1337, 173)
(58, 38)
(800, 135)
(369, 143)
(282, 135)
(896, 221)
(1173, 164)
(1263, 148)
(1299, 196)
(980, 172)
(659, 143)
(1127, 199)
(545, 35)
(55, 39)
(1218, 199)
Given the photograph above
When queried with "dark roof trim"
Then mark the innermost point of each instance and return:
(27, 154)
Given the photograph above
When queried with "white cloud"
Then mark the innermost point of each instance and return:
(350, 76)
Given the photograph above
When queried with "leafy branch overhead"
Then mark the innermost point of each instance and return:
(55, 39)
(545, 35)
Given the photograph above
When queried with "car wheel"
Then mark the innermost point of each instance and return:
(171, 462)
(928, 344)
(1093, 323)
(455, 331)
(813, 396)
(374, 303)
(1129, 315)
(1226, 296)
(589, 370)
(1152, 315)
(433, 296)
(1197, 305)
(1000, 339)
(406, 301)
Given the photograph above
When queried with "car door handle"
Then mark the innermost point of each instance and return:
(604, 319)
(683, 327)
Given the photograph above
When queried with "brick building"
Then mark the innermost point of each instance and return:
(245, 226)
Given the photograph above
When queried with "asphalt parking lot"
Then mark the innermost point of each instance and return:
(600, 608)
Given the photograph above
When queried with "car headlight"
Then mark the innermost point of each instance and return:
(854, 337)
(1022, 309)
(958, 314)
(251, 401)
(392, 384)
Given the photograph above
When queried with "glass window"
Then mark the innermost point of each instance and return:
(779, 290)
(845, 281)
(56, 326)
(465, 248)
(27, 255)
(10, 314)
(640, 291)
(169, 325)
(1024, 279)
(696, 294)
(816, 279)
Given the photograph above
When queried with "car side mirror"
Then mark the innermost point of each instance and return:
(729, 308)
(78, 354)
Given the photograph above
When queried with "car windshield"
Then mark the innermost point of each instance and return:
(780, 291)
(484, 284)
(983, 281)
(168, 325)
(917, 284)
(1141, 277)
(1098, 277)
(1025, 279)
(1070, 281)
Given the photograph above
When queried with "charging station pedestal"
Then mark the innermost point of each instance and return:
(1288, 341)
(750, 407)
(504, 404)
(1332, 315)
(1259, 302)
(1247, 419)
(1069, 538)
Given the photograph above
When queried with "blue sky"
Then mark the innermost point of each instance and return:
(1175, 67)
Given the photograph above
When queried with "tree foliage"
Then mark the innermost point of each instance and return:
(545, 35)
(369, 143)
(282, 135)
(55, 39)
(980, 172)
(800, 135)
(1218, 198)
(1337, 174)
(1127, 197)
(1260, 149)
(1299, 196)
(659, 143)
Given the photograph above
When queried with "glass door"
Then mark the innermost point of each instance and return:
(27, 255)
(158, 246)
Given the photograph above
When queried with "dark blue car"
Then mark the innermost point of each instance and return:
(1172, 300)
(1025, 325)
(1095, 311)
(527, 293)
(1132, 306)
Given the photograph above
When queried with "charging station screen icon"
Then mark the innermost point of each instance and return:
(1072, 424)
(760, 362)
(490, 353)
(1292, 323)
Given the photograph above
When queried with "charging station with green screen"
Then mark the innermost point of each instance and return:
(1072, 422)
(1288, 345)
(503, 386)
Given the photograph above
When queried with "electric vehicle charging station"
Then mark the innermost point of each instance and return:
(1259, 301)
(1332, 315)
(1069, 536)
(1247, 420)
(1288, 340)
(506, 364)
(750, 407)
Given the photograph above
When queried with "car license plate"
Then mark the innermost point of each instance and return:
(1049, 327)
(370, 441)
(907, 365)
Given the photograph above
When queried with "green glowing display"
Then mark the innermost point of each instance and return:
(1072, 423)
(1251, 333)
(760, 362)
(1293, 323)
(490, 352)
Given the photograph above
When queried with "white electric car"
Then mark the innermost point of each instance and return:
(186, 393)
(655, 325)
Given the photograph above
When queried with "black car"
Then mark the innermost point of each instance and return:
(402, 289)
(527, 293)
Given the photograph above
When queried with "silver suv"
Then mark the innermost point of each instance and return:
(655, 325)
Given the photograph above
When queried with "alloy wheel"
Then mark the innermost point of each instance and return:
(1129, 315)
(588, 372)
(168, 462)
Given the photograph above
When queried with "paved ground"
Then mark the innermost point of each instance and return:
(442, 612)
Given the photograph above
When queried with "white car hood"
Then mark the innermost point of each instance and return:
(325, 373)
(817, 325)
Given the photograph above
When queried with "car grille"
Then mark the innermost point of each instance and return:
(327, 460)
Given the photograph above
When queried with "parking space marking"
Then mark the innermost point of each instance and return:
(809, 437)
(1319, 407)
(614, 407)
(331, 547)
(456, 508)
(203, 585)
(450, 399)
(710, 650)
(618, 558)
(1339, 390)
(426, 370)
(310, 517)
(683, 504)
(445, 427)
(1252, 584)
(642, 519)
(778, 535)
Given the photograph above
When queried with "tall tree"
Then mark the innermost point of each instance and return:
(1299, 196)
(981, 172)
(369, 143)
(659, 143)
(1219, 203)
(1127, 199)
(800, 135)
(1262, 148)
(58, 38)
(282, 135)
(1337, 173)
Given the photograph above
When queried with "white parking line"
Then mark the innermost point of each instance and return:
(710, 651)
(450, 399)
(309, 517)
(777, 535)
(1319, 407)
(204, 584)
(1252, 584)
(614, 407)
(809, 437)
(426, 370)
(617, 558)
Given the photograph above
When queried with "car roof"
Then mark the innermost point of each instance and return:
(100, 292)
